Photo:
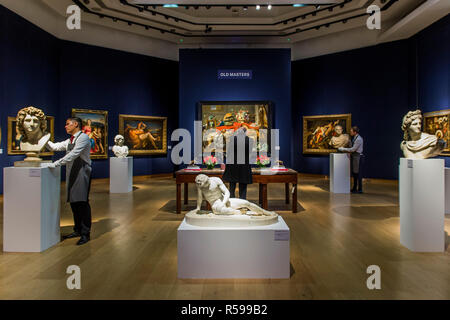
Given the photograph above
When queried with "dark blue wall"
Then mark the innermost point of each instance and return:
(377, 85)
(122, 83)
(29, 73)
(38, 69)
(271, 81)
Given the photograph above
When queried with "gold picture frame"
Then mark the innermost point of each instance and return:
(318, 131)
(97, 130)
(144, 135)
(437, 123)
(14, 141)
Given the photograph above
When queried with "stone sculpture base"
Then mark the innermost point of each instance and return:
(229, 221)
(32, 164)
(260, 252)
(339, 173)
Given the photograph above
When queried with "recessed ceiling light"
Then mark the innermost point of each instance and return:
(258, 7)
(269, 7)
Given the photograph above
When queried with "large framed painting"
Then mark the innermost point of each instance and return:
(95, 125)
(220, 119)
(437, 123)
(318, 131)
(14, 136)
(144, 135)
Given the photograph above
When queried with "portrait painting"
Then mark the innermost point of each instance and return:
(437, 123)
(318, 131)
(221, 119)
(144, 135)
(15, 137)
(95, 125)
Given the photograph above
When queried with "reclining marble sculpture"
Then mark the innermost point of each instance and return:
(120, 151)
(32, 125)
(417, 144)
(225, 210)
(339, 139)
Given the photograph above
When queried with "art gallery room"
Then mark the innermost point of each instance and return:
(123, 176)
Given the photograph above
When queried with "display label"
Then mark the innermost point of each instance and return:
(234, 74)
(281, 235)
(35, 172)
(410, 163)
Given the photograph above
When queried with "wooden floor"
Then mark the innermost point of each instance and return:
(133, 251)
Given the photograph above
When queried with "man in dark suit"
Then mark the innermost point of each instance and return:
(238, 168)
(356, 159)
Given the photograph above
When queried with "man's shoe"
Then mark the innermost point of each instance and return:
(360, 191)
(83, 240)
(72, 235)
(353, 191)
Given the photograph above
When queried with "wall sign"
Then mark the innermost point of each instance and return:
(234, 74)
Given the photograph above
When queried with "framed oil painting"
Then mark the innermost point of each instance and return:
(437, 123)
(318, 131)
(220, 119)
(95, 125)
(144, 135)
(14, 136)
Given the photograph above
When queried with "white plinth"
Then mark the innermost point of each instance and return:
(422, 204)
(339, 173)
(447, 190)
(120, 175)
(253, 252)
(31, 208)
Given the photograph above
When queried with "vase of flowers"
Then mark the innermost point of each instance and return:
(210, 162)
(262, 161)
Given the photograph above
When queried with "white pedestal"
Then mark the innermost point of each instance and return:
(120, 175)
(447, 190)
(218, 253)
(31, 208)
(339, 173)
(422, 204)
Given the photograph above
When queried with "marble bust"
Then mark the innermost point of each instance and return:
(120, 151)
(340, 139)
(32, 125)
(226, 211)
(417, 144)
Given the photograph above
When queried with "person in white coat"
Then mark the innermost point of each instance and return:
(78, 176)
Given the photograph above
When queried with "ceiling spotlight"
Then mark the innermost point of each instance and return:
(297, 5)
(167, 17)
(330, 9)
(314, 14)
(146, 28)
(295, 19)
(298, 30)
(344, 21)
(208, 7)
(154, 13)
(129, 23)
(327, 25)
(186, 7)
(318, 27)
(154, 7)
(303, 17)
(196, 7)
(258, 7)
(317, 7)
(228, 7)
(245, 8)
(269, 7)
(162, 31)
(170, 6)
(176, 20)
(140, 9)
(285, 22)
(115, 19)
(342, 5)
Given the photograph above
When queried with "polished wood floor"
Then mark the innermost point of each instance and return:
(133, 251)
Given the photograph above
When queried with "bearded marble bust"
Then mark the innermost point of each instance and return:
(32, 125)
(339, 139)
(120, 151)
(417, 144)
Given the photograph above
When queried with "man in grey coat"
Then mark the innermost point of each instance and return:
(356, 159)
(78, 176)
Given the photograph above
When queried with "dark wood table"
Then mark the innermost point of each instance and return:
(286, 177)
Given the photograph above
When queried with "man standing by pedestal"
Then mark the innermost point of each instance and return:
(240, 169)
(356, 159)
(78, 176)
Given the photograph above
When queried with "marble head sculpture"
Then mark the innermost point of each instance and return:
(340, 139)
(213, 190)
(32, 125)
(119, 149)
(417, 144)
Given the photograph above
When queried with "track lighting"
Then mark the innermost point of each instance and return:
(269, 7)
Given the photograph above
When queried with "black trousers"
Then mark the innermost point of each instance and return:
(242, 190)
(357, 177)
(81, 217)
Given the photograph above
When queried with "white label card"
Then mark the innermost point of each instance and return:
(410, 163)
(281, 235)
(35, 172)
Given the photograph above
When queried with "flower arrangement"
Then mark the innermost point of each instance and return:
(262, 161)
(210, 162)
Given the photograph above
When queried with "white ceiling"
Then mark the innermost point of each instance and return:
(146, 27)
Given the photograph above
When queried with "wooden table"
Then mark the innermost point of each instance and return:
(286, 177)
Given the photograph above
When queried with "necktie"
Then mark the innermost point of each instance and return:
(71, 139)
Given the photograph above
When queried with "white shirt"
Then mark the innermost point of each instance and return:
(357, 145)
(82, 149)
